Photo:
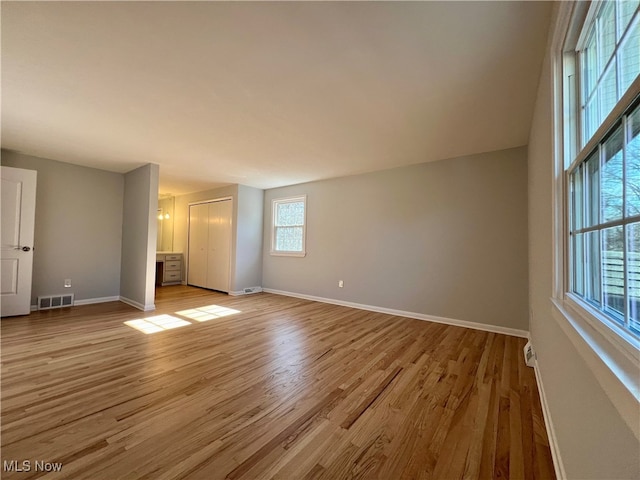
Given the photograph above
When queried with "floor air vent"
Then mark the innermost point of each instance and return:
(529, 355)
(55, 301)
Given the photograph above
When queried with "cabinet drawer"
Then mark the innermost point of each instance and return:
(170, 258)
(173, 276)
(172, 265)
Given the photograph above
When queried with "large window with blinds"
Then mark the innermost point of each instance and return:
(602, 150)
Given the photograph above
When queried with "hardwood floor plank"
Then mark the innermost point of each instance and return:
(490, 438)
(371, 397)
(264, 386)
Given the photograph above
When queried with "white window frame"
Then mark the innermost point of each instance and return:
(612, 353)
(274, 209)
(573, 151)
(630, 100)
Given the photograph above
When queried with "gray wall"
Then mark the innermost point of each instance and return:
(593, 439)
(445, 238)
(139, 231)
(78, 228)
(249, 238)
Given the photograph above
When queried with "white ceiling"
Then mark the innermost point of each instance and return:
(267, 94)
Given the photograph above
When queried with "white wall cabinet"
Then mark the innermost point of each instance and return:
(210, 245)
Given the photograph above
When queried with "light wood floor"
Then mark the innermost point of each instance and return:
(286, 388)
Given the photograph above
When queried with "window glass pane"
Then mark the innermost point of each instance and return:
(607, 27)
(289, 239)
(633, 274)
(630, 57)
(570, 113)
(290, 214)
(589, 67)
(627, 9)
(578, 197)
(578, 263)
(613, 270)
(632, 160)
(593, 189)
(592, 283)
(591, 119)
(611, 187)
(607, 92)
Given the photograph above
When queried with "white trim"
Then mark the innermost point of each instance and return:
(276, 253)
(616, 373)
(558, 464)
(138, 305)
(213, 200)
(90, 301)
(565, 19)
(402, 313)
(237, 293)
(589, 19)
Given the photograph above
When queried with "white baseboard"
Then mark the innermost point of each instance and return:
(551, 432)
(245, 292)
(401, 313)
(139, 306)
(90, 301)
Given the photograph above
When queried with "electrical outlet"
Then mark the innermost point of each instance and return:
(341, 283)
(67, 283)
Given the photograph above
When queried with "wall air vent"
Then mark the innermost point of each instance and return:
(48, 302)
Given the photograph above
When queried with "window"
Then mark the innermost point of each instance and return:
(604, 173)
(605, 225)
(288, 233)
(609, 59)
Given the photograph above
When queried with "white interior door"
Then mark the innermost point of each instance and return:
(198, 245)
(219, 245)
(18, 194)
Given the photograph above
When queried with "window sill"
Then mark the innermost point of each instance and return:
(614, 361)
(288, 254)
(620, 338)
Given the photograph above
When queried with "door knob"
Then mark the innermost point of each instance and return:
(26, 249)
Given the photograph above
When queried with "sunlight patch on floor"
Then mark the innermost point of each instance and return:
(156, 324)
(202, 314)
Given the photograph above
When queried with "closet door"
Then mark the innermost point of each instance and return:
(198, 244)
(219, 256)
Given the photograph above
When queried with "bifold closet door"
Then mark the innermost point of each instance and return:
(210, 245)
(198, 244)
(219, 258)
